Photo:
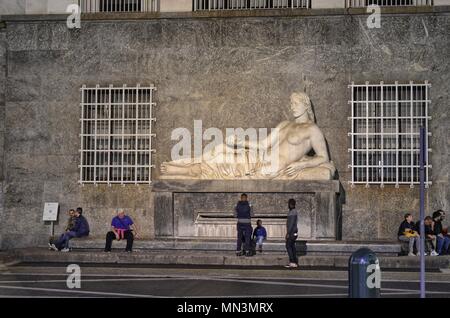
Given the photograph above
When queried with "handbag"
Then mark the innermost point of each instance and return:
(129, 229)
(410, 233)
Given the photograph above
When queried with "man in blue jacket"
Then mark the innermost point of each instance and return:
(244, 213)
(80, 229)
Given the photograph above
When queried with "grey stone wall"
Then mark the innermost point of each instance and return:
(228, 72)
(2, 117)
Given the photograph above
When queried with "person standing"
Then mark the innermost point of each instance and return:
(292, 234)
(244, 213)
(122, 227)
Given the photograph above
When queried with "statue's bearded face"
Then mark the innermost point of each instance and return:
(298, 107)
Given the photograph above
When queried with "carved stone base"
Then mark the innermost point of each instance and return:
(204, 209)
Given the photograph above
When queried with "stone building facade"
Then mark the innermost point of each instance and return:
(227, 71)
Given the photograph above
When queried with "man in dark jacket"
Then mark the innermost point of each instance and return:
(244, 213)
(430, 237)
(442, 240)
(292, 234)
(80, 229)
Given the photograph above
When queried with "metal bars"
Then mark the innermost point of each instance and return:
(116, 134)
(387, 3)
(385, 123)
(94, 6)
(205, 5)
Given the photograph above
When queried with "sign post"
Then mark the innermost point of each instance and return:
(51, 214)
(423, 149)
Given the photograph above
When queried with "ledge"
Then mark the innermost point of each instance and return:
(210, 259)
(248, 186)
(227, 14)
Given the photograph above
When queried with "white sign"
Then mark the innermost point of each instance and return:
(51, 211)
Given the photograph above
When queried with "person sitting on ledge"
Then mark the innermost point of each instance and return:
(259, 234)
(80, 229)
(69, 227)
(407, 233)
(122, 227)
(430, 238)
(442, 239)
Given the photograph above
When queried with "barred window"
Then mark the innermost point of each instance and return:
(385, 135)
(199, 5)
(387, 3)
(92, 6)
(116, 134)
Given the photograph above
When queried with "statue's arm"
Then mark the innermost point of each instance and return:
(270, 141)
(319, 146)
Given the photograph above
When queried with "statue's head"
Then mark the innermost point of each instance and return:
(301, 105)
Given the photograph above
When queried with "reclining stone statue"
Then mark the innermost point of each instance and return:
(288, 146)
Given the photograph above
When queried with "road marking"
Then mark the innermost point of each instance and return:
(78, 292)
(193, 278)
(215, 276)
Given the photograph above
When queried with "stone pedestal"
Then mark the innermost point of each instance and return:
(204, 209)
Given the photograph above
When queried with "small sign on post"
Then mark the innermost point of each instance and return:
(51, 214)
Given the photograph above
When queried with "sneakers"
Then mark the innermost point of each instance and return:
(260, 250)
(411, 254)
(65, 250)
(53, 247)
(248, 254)
(433, 253)
(291, 265)
(239, 254)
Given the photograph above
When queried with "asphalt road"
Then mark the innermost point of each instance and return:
(48, 281)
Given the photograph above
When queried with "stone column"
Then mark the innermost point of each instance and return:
(163, 209)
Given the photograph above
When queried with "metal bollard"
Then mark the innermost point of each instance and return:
(364, 275)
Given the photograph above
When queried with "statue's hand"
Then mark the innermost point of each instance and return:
(294, 168)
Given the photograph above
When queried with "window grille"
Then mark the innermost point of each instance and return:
(93, 6)
(116, 134)
(387, 3)
(385, 133)
(200, 5)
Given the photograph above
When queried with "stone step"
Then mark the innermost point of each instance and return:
(213, 258)
(344, 248)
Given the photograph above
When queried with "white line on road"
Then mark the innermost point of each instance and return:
(194, 278)
(78, 291)
(215, 276)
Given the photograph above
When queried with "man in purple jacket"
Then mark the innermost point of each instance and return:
(80, 229)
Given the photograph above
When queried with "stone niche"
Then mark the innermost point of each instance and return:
(203, 209)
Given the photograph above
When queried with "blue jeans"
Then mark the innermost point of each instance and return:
(290, 247)
(259, 240)
(63, 241)
(244, 232)
(442, 244)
